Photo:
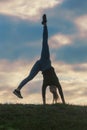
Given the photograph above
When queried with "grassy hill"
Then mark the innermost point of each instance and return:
(39, 117)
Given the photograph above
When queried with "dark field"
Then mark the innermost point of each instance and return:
(39, 117)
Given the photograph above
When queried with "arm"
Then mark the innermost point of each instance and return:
(61, 93)
(44, 93)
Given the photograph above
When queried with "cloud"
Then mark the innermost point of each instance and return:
(59, 40)
(72, 54)
(5, 1)
(73, 82)
(70, 73)
(77, 6)
(26, 9)
(81, 23)
(11, 74)
(80, 67)
(22, 37)
(67, 29)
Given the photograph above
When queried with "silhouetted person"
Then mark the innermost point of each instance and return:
(44, 65)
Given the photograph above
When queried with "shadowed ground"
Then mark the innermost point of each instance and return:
(39, 117)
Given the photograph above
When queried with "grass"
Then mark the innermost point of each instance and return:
(39, 117)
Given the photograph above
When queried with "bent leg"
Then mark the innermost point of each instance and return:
(35, 69)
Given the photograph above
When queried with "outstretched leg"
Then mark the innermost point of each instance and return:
(45, 48)
(45, 54)
(35, 69)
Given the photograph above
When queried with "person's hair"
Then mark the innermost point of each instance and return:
(53, 90)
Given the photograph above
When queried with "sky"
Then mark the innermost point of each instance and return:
(21, 42)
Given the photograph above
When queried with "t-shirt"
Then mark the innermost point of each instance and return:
(50, 77)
